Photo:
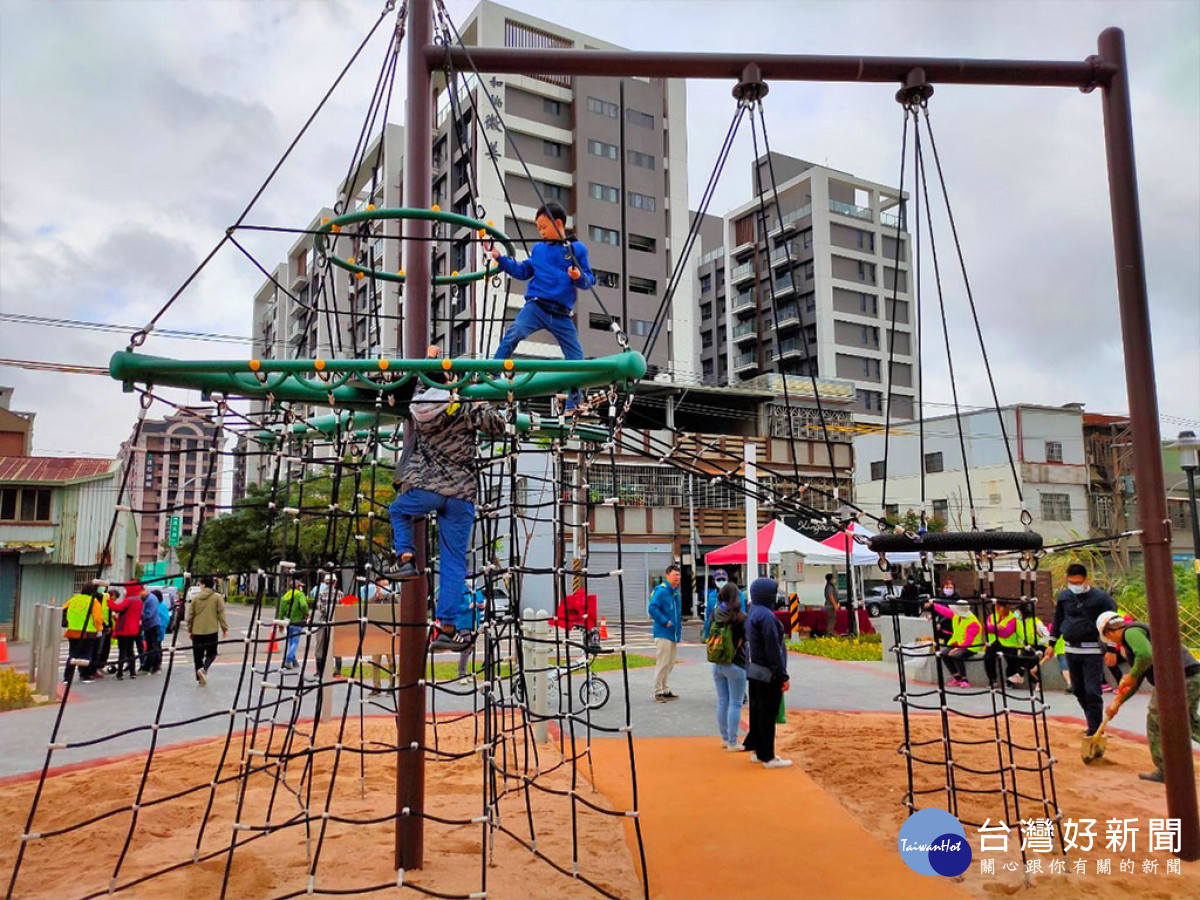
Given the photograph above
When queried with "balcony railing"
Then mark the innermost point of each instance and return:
(746, 329)
(849, 209)
(743, 301)
(795, 215)
(747, 360)
(742, 272)
(786, 284)
(790, 347)
(891, 220)
(785, 316)
(715, 253)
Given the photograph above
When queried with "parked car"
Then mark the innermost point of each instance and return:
(880, 602)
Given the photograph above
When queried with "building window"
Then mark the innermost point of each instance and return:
(868, 304)
(706, 340)
(642, 285)
(705, 311)
(878, 470)
(27, 504)
(551, 107)
(871, 370)
(941, 510)
(866, 272)
(1056, 507)
(601, 149)
(708, 368)
(1054, 451)
(641, 201)
(642, 243)
(640, 327)
(602, 107)
(706, 286)
(866, 241)
(641, 160)
(605, 235)
(810, 302)
(604, 192)
(872, 401)
(806, 239)
(870, 336)
(550, 191)
(601, 322)
(807, 271)
(638, 118)
(553, 148)
(934, 463)
(607, 279)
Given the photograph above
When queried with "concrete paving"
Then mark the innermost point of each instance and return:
(108, 706)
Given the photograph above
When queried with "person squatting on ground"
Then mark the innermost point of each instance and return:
(831, 605)
(205, 614)
(727, 653)
(1013, 636)
(293, 606)
(1075, 615)
(966, 640)
(128, 629)
(436, 473)
(1133, 639)
(666, 611)
(556, 268)
(767, 672)
(720, 578)
(83, 617)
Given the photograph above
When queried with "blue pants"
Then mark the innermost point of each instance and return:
(293, 642)
(731, 687)
(455, 518)
(535, 317)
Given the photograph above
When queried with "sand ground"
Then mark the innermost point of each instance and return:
(853, 756)
(349, 858)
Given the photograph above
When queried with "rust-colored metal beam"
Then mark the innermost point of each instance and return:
(1147, 448)
(414, 595)
(773, 66)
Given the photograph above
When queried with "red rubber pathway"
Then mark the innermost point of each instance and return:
(699, 803)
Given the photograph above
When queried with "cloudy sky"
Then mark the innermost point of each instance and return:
(133, 133)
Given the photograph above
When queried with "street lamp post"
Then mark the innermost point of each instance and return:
(1188, 444)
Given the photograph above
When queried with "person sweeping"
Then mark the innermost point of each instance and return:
(1133, 639)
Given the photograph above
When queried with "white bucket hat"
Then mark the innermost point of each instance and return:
(1105, 618)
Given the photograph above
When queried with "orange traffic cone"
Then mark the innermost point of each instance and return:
(603, 628)
(273, 646)
(3, 648)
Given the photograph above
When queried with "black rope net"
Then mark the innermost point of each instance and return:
(307, 755)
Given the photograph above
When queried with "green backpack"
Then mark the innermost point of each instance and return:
(721, 646)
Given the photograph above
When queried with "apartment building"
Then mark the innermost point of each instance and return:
(813, 290)
(172, 471)
(1047, 447)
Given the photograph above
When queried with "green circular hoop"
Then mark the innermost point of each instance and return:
(370, 215)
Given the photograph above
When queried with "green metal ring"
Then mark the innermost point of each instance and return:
(370, 215)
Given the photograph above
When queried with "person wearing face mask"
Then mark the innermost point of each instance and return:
(720, 578)
(944, 624)
(1075, 614)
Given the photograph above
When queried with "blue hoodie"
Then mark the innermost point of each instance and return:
(546, 272)
(764, 634)
(164, 619)
(150, 604)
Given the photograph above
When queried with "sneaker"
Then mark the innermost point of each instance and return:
(1068, 690)
(777, 763)
(1016, 679)
(201, 678)
(734, 747)
(1105, 689)
(660, 698)
(1156, 777)
(457, 641)
(375, 692)
(405, 570)
(669, 696)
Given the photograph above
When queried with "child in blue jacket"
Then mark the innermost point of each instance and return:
(556, 268)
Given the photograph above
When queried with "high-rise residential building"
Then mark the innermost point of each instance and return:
(612, 151)
(812, 291)
(170, 477)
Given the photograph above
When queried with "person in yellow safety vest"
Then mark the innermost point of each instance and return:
(1112, 656)
(84, 619)
(1016, 638)
(104, 640)
(966, 640)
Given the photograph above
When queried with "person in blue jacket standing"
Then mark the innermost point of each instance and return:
(666, 611)
(720, 578)
(557, 267)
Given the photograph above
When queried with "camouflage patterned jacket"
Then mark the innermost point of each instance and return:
(442, 456)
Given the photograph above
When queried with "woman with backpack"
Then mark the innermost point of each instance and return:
(727, 653)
